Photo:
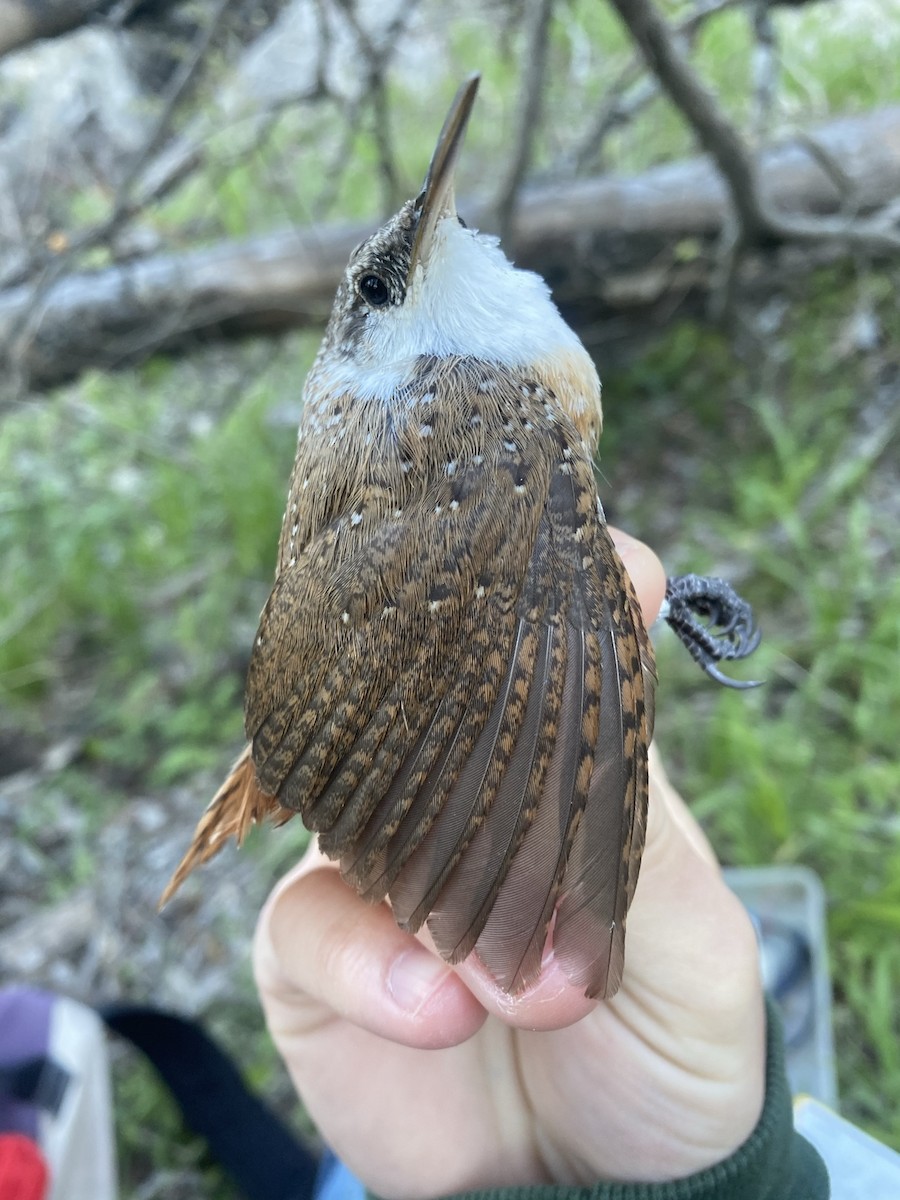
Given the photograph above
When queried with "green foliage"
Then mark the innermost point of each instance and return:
(792, 485)
(140, 518)
(847, 61)
(139, 514)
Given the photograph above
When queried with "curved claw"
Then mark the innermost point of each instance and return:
(739, 685)
(753, 644)
(728, 631)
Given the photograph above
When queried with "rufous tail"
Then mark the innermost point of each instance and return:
(236, 806)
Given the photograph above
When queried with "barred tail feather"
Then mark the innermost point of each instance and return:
(237, 805)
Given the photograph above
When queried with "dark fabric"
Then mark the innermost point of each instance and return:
(24, 1034)
(267, 1163)
(257, 1150)
(775, 1163)
(36, 1081)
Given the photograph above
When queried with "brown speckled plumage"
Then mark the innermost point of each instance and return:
(451, 682)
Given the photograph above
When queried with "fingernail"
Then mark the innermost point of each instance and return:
(414, 978)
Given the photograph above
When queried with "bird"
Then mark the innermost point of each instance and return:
(452, 684)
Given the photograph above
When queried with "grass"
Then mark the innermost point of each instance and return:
(792, 465)
(138, 511)
(778, 473)
(139, 514)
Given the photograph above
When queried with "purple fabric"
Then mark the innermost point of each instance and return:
(24, 1032)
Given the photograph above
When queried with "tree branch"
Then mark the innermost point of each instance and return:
(633, 89)
(24, 22)
(716, 134)
(617, 252)
(528, 111)
(125, 206)
(758, 221)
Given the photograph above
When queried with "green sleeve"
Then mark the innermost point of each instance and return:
(775, 1163)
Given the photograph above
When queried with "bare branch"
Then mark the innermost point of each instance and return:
(124, 206)
(21, 23)
(25, 21)
(631, 90)
(829, 164)
(376, 56)
(765, 68)
(614, 248)
(716, 134)
(528, 111)
(758, 222)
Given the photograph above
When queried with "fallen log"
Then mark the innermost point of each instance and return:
(619, 253)
(24, 21)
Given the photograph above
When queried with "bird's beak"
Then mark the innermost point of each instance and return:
(436, 200)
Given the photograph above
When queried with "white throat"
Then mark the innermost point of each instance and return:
(466, 299)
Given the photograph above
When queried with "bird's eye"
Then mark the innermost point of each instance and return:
(374, 291)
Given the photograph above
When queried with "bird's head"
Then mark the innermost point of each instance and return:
(425, 285)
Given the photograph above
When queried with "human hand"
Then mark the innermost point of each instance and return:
(426, 1079)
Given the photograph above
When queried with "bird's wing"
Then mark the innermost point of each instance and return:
(448, 684)
(563, 831)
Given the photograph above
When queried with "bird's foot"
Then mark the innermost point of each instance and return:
(714, 623)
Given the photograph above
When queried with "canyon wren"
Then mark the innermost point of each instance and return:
(451, 683)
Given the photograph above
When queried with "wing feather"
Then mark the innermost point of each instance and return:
(461, 910)
(471, 792)
(409, 803)
(451, 681)
(589, 937)
(481, 677)
(512, 942)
